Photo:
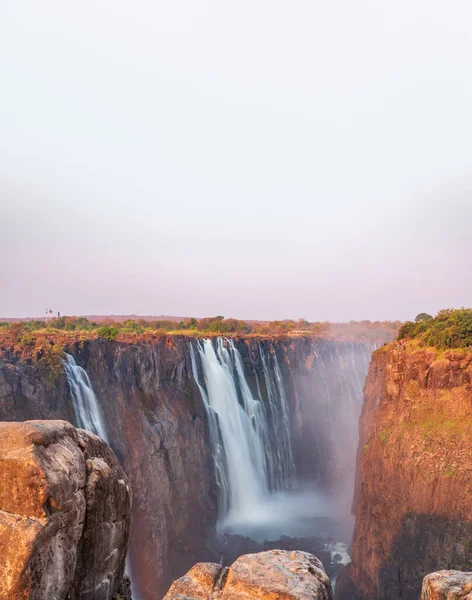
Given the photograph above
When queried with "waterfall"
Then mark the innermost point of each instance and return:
(85, 404)
(281, 470)
(88, 415)
(219, 456)
(249, 434)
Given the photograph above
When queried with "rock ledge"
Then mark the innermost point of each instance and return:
(272, 575)
(65, 514)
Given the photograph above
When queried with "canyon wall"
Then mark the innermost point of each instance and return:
(156, 424)
(158, 427)
(413, 501)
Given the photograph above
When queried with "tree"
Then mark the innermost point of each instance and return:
(108, 333)
(423, 317)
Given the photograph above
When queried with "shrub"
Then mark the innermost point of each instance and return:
(449, 329)
(108, 332)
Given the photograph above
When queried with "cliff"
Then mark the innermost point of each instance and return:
(64, 514)
(273, 575)
(413, 502)
(158, 427)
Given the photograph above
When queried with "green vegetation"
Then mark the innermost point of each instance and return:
(423, 317)
(435, 424)
(378, 331)
(449, 329)
(108, 333)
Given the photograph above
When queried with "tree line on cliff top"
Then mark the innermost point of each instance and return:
(380, 331)
(448, 329)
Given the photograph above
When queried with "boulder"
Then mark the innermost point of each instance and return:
(64, 514)
(272, 575)
(447, 585)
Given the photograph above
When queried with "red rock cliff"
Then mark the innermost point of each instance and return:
(413, 501)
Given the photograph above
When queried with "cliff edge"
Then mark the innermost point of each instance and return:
(65, 514)
(413, 501)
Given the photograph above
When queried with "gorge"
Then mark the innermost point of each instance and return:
(220, 438)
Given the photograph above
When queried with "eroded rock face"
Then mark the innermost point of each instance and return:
(64, 514)
(447, 585)
(273, 575)
(413, 496)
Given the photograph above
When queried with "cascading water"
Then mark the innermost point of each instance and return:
(281, 467)
(219, 456)
(85, 404)
(250, 438)
(246, 478)
(88, 414)
(251, 435)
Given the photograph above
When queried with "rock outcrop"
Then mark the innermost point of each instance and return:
(447, 585)
(413, 501)
(65, 514)
(273, 575)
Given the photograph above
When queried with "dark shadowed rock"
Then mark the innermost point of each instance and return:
(273, 575)
(64, 514)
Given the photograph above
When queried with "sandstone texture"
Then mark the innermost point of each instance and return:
(413, 499)
(273, 575)
(64, 514)
(447, 585)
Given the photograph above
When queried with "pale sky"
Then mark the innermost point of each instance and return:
(255, 159)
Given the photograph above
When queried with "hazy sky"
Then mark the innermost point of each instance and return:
(258, 158)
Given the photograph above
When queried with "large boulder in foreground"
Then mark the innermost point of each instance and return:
(272, 575)
(447, 585)
(65, 514)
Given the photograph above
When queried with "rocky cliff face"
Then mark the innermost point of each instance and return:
(413, 500)
(65, 514)
(157, 426)
(273, 575)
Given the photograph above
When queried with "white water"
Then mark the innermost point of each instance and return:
(250, 438)
(85, 404)
(294, 513)
(88, 414)
(243, 478)
(279, 444)
(250, 433)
